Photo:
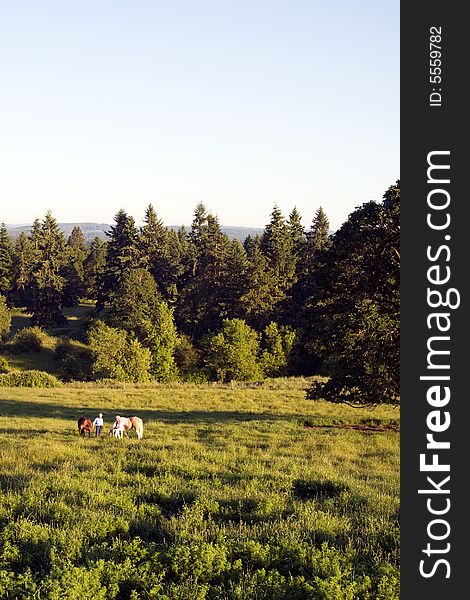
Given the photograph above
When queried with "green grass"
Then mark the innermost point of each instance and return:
(228, 496)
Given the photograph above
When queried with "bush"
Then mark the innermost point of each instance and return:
(5, 318)
(187, 357)
(74, 360)
(30, 339)
(4, 366)
(233, 352)
(33, 378)
(117, 355)
(277, 347)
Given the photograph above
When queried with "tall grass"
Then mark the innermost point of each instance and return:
(228, 496)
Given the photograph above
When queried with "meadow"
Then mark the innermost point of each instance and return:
(236, 492)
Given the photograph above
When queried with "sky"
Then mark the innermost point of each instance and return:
(239, 104)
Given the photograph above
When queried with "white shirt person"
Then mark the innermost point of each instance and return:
(98, 423)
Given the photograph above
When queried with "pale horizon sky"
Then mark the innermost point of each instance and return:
(241, 105)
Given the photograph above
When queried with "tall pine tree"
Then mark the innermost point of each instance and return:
(47, 282)
(122, 255)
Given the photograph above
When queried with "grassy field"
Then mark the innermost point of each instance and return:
(234, 493)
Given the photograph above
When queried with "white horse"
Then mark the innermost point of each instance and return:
(122, 425)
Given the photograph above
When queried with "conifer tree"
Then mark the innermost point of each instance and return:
(73, 271)
(76, 239)
(94, 266)
(24, 259)
(297, 232)
(263, 293)
(122, 255)
(318, 237)
(47, 282)
(6, 261)
(201, 297)
(278, 246)
(161, 254)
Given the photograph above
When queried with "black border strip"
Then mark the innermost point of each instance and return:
(425, 128)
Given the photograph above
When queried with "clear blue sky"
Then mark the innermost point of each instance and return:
(240, 104)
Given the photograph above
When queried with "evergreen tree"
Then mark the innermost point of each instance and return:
(24, 259)
(318, 237)
(6, 261)
(5, 318)
(77, 239)
(161, 254)
(94, 266)
(316, 244)
(202, 296)
(122, 255)
(278, 246)
(235, 282)
(263, 291)
(296, 232)
(47, 283)
(73, 271)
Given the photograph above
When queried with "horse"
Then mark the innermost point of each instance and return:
(84, 425)
(138, 425)
(123, 424)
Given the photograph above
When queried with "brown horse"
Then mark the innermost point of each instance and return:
(85, 425)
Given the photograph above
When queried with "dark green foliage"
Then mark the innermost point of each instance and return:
(6, 260)
(339, 294)
(76, 239)
(278, 243)
(263, 293)
(122, 255)
(5, 318)
(202, 297)
(233, 353)
(24, 259)
(28, 379)
(160, 252)
(318, 237)
(187, 357)
(47, 282)
(138, 308)
(94, 266)
(355, 309)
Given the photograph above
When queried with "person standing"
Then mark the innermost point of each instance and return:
(98, 423)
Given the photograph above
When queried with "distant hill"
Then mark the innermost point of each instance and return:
(92, 230)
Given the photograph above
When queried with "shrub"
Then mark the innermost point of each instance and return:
(4, 366)
(233, 352)
(277, 347)
(5, 318)
(74, 360)
(117, 355)
(187, 357)
(33, 378)
(30, 339)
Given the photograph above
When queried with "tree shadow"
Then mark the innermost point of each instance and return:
(24, 409)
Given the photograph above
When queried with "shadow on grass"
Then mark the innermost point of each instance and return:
(13, 483)
(22, 409)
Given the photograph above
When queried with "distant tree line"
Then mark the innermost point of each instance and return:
(195, 303)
